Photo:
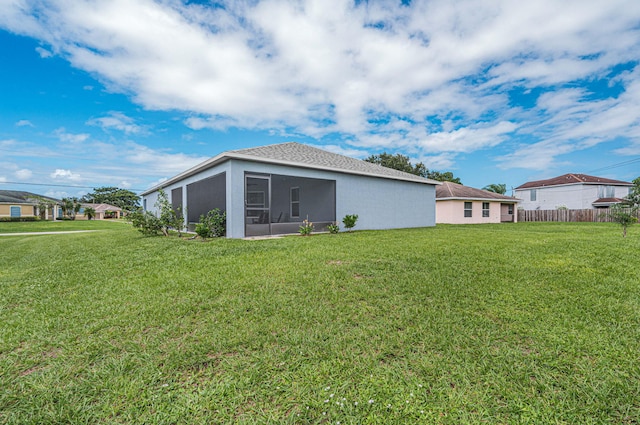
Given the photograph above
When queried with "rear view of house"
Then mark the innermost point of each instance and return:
(270, 190)
(572, 191)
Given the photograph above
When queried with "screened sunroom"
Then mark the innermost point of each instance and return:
(277, 204)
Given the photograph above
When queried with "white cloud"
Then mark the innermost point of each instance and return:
(24, 174)
(24, 123)
(3, 179)
(71, 138)
(378, 73)
(44, 53)
(118, 121)
(65, 175)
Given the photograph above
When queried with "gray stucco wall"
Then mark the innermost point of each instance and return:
(380, 203)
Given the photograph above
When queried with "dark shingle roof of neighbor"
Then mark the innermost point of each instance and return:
(572, 178)
(300, 155)
(21, 197)
(450, 190)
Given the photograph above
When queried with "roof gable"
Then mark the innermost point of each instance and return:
(572, 178)
(450, 190)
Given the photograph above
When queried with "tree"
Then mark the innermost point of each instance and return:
(447, 176)
(403, 163)
(624, 216)
(169, 218)
(500, 188)
(633, 198)
(90, 213)
(123, 198)
(398, 162)
(70, 207)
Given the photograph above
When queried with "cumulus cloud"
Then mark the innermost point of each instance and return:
(24, 174)
(118, 121)
(429, 77)
(65, 175)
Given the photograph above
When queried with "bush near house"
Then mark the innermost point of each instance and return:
(19, 219)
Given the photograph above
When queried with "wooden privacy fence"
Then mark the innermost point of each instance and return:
(602, 215)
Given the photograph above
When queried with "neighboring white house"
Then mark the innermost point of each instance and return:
(458, 204)
(270, 190)
(572, 191)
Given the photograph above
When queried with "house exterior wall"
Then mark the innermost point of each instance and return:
(380, 203)
(451, 211)
(25, 210)
(572, 196)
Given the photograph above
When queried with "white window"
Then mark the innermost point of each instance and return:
(606, 191)
(16, 211)
(485, 209)
(295, 202)
(533, 195)
(468, 209)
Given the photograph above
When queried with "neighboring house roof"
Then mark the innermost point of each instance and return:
(454, 191)
(607, 202)
(300, 155)
(572, 179)
(102, 207)
(21, 197)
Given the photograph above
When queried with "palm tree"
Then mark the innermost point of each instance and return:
(500, 188)
(89, 213)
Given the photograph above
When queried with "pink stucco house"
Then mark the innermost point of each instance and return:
(458, 204)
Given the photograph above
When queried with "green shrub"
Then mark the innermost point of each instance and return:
(349, 221)
(306, 228)
(333, 228)
(19, 219)
(147, 223)
(212, 225)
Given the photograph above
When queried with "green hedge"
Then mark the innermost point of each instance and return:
(20, 219)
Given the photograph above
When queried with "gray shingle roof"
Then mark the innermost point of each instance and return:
(450, 190)
(304, 155)
(21, 197)
(300, 155)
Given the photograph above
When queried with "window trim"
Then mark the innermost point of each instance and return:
(468, 212)
(533, 195)
(11, 209)
(486, 211)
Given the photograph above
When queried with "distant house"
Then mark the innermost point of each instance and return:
(572, 191)
(14, 203)
(270, 190)
(458, 204)
(103, 211)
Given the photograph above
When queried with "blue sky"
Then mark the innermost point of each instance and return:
(127, 94)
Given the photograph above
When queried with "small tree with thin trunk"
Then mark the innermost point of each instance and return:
(624, 216)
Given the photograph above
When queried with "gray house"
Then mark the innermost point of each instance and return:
(270, 190)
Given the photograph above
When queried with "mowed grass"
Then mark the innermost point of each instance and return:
(499, 324)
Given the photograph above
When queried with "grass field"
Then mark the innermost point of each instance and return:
(500, 324)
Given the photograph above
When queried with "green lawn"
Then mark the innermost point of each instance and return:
(499, 324)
